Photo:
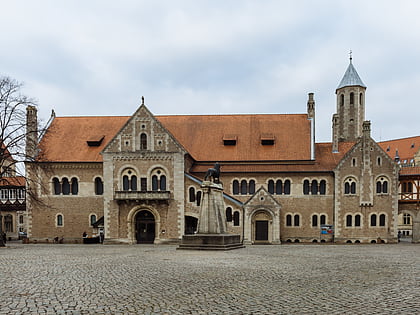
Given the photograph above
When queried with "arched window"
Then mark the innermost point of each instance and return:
(279, 187)
(341, 99)
(99, 186)
(314, 187)
(379, 161)
(351, 98)
(382, 220)
(373, 220)
(361, 98)
(74, 186)
(306, 187)
(236, 218)
(143, 141)
(235, 187)
(353, 188)
(357, 220)
(322, 187)
(60, 220)
(191, 192)
(92, 219)
(198, 198)
(162, 184)
(243, 187)
(133, 183)
(271, 186)
(289, 220)
(155, 184)
(350, 187)
(21, 219)
(349, 220)
(252, 187)
(287, 187)
(57, 186)
(229, 214)
(296, 220)
(314, 220)
(323, 219)
(66, 186)
(382, 186)
(126, 183)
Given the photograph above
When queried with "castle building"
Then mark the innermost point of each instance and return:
(140, 176)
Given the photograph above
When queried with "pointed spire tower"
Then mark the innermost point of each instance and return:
(350, 106)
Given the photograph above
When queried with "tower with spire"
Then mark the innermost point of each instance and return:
(348, 121)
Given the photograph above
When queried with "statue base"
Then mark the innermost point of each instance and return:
(211, 242)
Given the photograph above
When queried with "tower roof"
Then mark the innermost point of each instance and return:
(351, 77)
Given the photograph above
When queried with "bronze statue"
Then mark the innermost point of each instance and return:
(213, 173)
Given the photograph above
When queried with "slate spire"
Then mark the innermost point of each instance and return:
(351, 78)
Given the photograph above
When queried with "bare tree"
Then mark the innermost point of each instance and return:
(13, 134)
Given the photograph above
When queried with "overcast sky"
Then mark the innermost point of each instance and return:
(210, 57)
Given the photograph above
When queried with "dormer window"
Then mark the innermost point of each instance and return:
(95, 141)
(229, 139)
(267, 139)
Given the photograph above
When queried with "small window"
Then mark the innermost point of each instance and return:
(314, 187)
(191, 193)
(133, 183)
(235, 187)
(198, 198)
(322, 187)
(341, 99)
(229, 140)
(351, 98)
(236, 218)
(279, 187)
(267, 139)
(287, 187)
(373, 220)
(229, 214)
(21, 219)
(92, 219)
(99, 186)
(66, 186)
(126, 185)
(74, 186)
(251, 187)
(349, 220)
(271, 186)
(315, 220)
(143, 141)
(297, 220)
(244, 187)
(60, 220)
(154, 183)
(162, 183)
(357, 220)
(323, 219)
(306, 187)
(289, 220)
(406, 219)
(57, 186)
(382, 219)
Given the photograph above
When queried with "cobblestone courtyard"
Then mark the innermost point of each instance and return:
(288, 279)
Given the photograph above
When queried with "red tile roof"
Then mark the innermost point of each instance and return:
(407, 147)
(12, 181)
(202, 136)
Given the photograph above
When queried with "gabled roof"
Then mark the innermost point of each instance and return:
(66, 138)
(350, 78)
(406, 147)
(203, 136)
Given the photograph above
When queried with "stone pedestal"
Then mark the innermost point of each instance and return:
(212, 233)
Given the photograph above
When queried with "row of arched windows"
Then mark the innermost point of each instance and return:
(355, 220)
(350, 186)
(295, 220)
(314, 188)
(351, 99)
(232, 217)
(130, 181)
(278, 187)
(244, 187)
(65, 186)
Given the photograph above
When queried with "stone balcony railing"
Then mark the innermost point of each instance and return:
(142, 195)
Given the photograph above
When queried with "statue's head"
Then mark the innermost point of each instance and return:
(217, 166)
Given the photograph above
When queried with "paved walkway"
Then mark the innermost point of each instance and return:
(287, 279)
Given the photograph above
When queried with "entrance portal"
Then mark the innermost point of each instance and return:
(145, 227)
(190, 225)
(261, 230)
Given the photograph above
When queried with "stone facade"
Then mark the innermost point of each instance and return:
(152, 181)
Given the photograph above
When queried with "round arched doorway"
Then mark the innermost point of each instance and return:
(261, 231)
(145, 227)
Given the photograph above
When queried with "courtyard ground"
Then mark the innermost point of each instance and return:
(148, 279)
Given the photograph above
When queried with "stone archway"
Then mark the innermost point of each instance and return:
(262, 227)
(143, 224)
(414, 213)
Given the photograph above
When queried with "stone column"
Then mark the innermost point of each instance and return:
(212, 215)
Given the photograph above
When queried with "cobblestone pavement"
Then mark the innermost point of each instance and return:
(287, 279)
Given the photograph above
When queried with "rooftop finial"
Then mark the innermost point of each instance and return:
(351, 57)
(142, 100)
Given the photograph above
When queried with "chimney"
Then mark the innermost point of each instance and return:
(31, 132)
(311, 117)
(335, 123)
(366, 129)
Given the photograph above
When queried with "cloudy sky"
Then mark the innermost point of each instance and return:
(209, 57)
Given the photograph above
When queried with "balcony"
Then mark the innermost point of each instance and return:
(156, 196)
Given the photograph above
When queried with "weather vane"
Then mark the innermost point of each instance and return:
(350, 53)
